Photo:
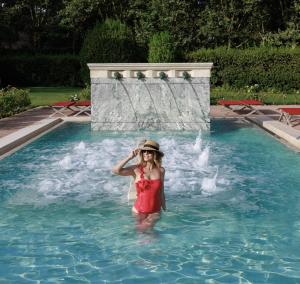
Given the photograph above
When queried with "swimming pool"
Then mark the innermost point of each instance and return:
(233, 198)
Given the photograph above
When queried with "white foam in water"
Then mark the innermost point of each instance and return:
(202, 161)
(80, 146)
(198, 143)
(66, 162)
(110, 145)
(209, 185)
(91, 162)
(46, 185)
(83, 172)
(168, 144)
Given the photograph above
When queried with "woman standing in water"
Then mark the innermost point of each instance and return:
(148, 175)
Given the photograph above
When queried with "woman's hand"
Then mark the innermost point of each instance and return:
(133, 153)
(128, 171)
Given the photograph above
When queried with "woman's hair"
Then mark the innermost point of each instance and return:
(157, 158)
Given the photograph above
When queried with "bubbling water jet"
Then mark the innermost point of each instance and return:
(209, 185)
(202, 161)
(198, 143)
(80, 146)
(66, 162)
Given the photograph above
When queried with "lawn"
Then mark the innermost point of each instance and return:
(43, 96)
(267, 97)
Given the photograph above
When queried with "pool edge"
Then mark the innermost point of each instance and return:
(285, 133)
(14, 141)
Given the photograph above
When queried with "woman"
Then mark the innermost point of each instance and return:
(148, 175)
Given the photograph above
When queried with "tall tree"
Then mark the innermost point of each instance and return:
(8, 30)
(175, 16)
(231, 23)
(78, 16)
(33, 17)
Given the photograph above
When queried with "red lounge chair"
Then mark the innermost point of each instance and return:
(245, 104)
(83, 107)
(287, 113)
(59, 107)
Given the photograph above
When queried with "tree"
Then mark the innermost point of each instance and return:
(232, 23)
(175, 16)
(8, 31)
(110, 41)
(288, 36)
(33, 17)
(78, 16)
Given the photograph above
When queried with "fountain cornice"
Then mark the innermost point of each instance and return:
(151, 70)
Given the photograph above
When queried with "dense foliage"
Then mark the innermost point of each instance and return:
(60, 25)
(161, 48)
(108, 42)
(13, 100)
(268, 67)
(36, 70)
(81, 27)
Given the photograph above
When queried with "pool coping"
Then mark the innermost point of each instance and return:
(12, 142)
(17, 139)
(283, 131)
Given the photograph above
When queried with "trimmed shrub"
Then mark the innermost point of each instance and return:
(13, 100)
(161, 48)
(108, 42)
(40, 70)
(269, 68)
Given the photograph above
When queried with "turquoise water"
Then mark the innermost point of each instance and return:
(233, 198)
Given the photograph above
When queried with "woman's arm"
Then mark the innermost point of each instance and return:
(128, 171)
(163, 199)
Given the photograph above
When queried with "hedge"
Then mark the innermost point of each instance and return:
(40, 70)
(109, 42)
(269, 68)
(161, 48)
(13, 100)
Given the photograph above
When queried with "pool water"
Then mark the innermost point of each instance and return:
(233, 199)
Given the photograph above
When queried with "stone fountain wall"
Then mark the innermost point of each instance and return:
(176, 103)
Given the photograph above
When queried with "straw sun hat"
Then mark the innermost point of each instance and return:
(151, 145)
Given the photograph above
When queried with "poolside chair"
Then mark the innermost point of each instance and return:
(244, 104)
(83, 107)
(287, 113)
(59, 107)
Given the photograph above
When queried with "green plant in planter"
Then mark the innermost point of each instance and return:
(118, 75)
(140, 75)
(163, 75)
(186, 75)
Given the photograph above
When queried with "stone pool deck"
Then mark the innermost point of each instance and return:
(20, 129)
(268, 120)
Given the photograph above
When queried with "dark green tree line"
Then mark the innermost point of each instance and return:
(61, 25)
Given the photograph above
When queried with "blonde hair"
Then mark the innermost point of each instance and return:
(157, 159)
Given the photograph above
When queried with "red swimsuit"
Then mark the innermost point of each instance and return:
(148, 194)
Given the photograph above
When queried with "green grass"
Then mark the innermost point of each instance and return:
(269, 98)
(43, 96)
